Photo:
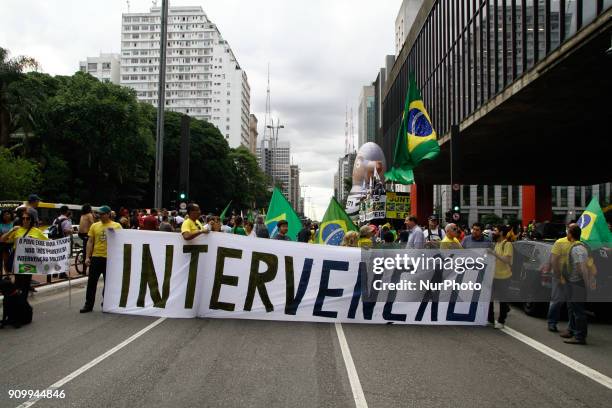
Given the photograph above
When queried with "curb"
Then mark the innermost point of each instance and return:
(60, 285)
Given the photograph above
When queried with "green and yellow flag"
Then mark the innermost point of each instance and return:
(594, 227)
(336, 223)
(416, 138)
(280, 209)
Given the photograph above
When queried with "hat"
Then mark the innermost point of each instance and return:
(32, 198)
(105, 209)
(433, 217)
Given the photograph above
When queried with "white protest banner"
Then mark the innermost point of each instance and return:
(230, 276)
(33, 256)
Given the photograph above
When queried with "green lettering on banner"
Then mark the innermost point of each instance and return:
(149, 278)
(127, 272)
(258, 280)
(195, 251)
(221, 279)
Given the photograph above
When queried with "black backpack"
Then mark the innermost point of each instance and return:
(55, 230)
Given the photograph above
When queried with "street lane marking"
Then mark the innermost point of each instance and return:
(358, 396)
(93, 362)
(562, 358)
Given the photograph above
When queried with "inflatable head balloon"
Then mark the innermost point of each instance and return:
(370, 164)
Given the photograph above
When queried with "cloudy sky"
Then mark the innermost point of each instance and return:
(320, 52)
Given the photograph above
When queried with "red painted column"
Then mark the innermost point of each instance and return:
(537, 203)
(421, 201)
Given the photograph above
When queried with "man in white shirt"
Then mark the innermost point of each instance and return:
(416, 238)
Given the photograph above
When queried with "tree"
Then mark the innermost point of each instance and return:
(18, 177)
(250, 182)
(97, 144)
(12, 71)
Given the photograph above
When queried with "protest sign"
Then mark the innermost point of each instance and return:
(33, 256)
(230, 276)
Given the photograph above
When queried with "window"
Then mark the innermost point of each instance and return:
(92, 66)
(491, 196)
(106, 65)
(578, 196)
(505, 196)
(563, 196)
(465, 199)
(515, 196)
(480, 195)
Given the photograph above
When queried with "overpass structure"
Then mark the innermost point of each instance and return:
(525, 84)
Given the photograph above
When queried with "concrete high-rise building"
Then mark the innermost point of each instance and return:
(253, 133)
(203, 77)
(274, 159)
(403, 22)
(294, 186)
(345, 172)
(105, 67)
(366, 116)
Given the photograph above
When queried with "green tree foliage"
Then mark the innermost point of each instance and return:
(94, 142)
(18, 177)
(14, 108)
(97, 143)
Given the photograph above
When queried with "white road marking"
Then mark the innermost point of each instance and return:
(358, 396)
(93, 362)
(562, 358)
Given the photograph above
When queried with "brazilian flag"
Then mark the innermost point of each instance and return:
(335, 225)
(416, 139)
(280, 209)
(594, 227)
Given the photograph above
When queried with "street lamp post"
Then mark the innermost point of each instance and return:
(161, 101)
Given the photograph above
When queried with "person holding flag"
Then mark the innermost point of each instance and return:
(416, 139)
(280, 209)
(335, 225)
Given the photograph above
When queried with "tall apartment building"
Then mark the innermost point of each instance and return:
(105, 67)
(344, 172)
(403, 22)
(253, 133)
(274, 158)
(203, 77)
(366, 116)
(294, 186)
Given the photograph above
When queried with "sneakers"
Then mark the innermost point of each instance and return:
(499, 325)
(574, 340)
(86, 309)
(552, 328)
(566, 334)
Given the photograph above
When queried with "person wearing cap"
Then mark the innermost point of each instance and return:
(434, 233)
(33, 201)
(96, 254)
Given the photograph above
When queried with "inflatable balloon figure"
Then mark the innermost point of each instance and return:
(369, 170)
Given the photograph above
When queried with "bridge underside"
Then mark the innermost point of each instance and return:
(555, 130)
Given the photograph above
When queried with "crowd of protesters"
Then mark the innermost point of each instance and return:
(568, 260)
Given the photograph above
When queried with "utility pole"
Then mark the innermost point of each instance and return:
(161, 102)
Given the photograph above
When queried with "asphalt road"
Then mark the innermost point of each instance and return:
(246, 363)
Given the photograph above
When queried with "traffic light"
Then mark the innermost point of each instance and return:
(183, 195)
(448, 216)
(456, 207)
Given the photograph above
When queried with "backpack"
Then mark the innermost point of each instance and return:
(55, 230)
(590, 265)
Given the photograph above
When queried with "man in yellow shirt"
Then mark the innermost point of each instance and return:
(503, 272)
(192, 227)
(450, 240)
(29, 220)
(559, 254)
(96, 254)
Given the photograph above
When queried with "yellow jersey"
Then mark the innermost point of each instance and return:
(97, 233)
(33, 233)
(448, 243)
(502, 269)
(191, 226)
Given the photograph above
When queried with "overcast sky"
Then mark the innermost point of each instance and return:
(321, 52)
